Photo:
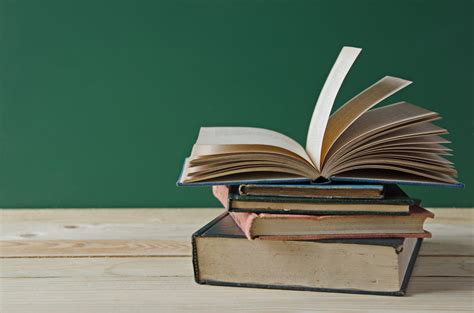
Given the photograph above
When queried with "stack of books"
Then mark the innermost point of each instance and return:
(327, 217)
(344, 238)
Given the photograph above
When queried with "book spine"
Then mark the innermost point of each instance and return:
(194, 237)
(410, 268)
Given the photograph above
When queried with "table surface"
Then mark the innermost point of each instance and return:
(139, 260)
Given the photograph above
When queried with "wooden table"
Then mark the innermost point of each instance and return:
(138, 260)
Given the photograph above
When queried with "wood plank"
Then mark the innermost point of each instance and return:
(137, 260)
(171, 294)
(93, 248)
(449, 266)
(107, 215)
(150, 231)
(96, 267)
(178, 266)
(165, 216)
(103, 231)
(447, 240)
(98, 232)
(84, 224)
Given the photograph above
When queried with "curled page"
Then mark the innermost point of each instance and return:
(319, 120)
(354, 108)
(249, 136)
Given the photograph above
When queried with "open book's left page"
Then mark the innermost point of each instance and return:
(239, 154)
(247, 136)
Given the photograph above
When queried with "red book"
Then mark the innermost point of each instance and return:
(312, 227)
(221, 192)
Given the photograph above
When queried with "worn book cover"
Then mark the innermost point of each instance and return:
(269, 226)
(223, 256)
(394, 202)
(326, 191)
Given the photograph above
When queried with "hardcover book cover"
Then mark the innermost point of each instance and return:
(267, 226)
(226, 235)
(313, 191)
(229, 196)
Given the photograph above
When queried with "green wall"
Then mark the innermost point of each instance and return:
(100, 101)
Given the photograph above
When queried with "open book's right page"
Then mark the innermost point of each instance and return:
(319, 119)
(324, 131)
(354, 108)
(413, 156)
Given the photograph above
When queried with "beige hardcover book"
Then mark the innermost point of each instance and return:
(222, 255)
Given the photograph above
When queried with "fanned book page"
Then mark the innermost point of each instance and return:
(397, 143)
(319, 120)
(356, 107)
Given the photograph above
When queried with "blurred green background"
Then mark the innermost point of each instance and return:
(100, 101)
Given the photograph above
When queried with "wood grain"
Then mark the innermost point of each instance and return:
(138, 260)
(181, 294)
(179, 266)
(103, 232)
(96, 267)
(93, 248)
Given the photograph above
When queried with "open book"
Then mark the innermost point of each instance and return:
(397, 143)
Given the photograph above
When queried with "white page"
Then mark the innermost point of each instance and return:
(319, 120)
(249, 136)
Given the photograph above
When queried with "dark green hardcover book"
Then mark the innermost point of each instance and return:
(223, 256)
(394, 202)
